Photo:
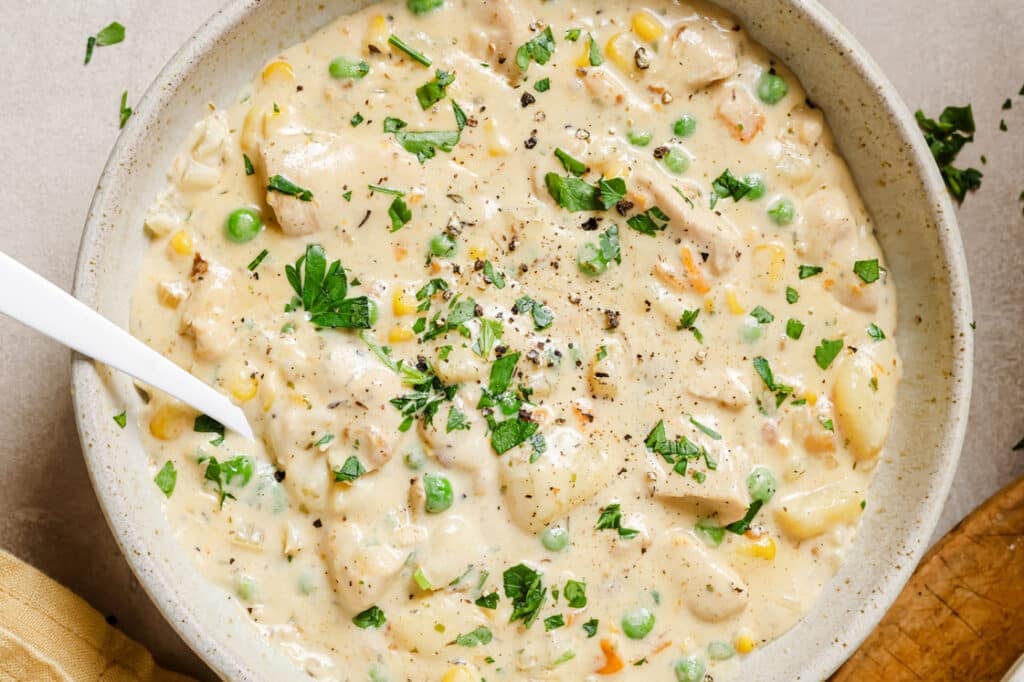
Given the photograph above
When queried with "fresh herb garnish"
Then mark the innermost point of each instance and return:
(761, 315)
(321, 290)
(542, 315)
(810, 271)
(867, 270)
(825, 353)
(764, 370)
(594, 52)
(224, 473)
(399, 213)
(794, 329)
(434, 91)
(679, 452)
(538, 49)
(344, 68)
(524, 587)
(414, 54)
(424, 6)
(356, 119)
(743, 525)
(574, 194)
(707, 431)
(543, 85)
(112, 34)
(460, 116)
(611, 519)
(126, 111)
(573, 34)
(554, 622)
(510, 433)
(493, 275)
(688, 320)
(590, 627)
(409, 373)
(712, 533)
(247, 162)
(282, 185)
(728, 185)
(476, 637)
(423, 402)
(457, 421)
(204, 424)
(121, 419)
(875, 332)
(648, 222)
(945, 138)
(350, 470)
(423, 143)
(570, 164)
(575, 593)
(166, 478)
(792, 295)
(372, 617)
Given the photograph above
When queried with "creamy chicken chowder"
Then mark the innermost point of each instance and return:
(563, 329)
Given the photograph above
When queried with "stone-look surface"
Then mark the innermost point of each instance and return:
(61, 119)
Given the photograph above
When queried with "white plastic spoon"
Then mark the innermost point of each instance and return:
(33, 301)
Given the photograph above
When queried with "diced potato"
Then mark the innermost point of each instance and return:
(806, 515)
(864, 402)
(714, 591)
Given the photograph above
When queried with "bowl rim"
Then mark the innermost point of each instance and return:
(176, 72)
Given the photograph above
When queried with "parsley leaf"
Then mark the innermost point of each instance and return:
(762, 315)
(611, 519)
(609, 245)
(543, 85)
(121, 419)
(111, 34)
(424, 6)
(728, 185)
(554, 622)
(538, 49)
(166, 478)
(126, 111)
(434, 91)
(867, 270)
(648, 221)
(282, 185)
(457, 421)
(321, 291)
(524, 587)
(487, 601)
(688, 320)
(414, 54)
(573, 34)
(423, 143)
(204, 424)
(708, 431)
(576, 594)
(590, 627)
(372, 617)
(493, 275)
(792, 295)
(350, 470)
(594, 52)
(794, 329)
(612, 191)
(825, 353)
(399, 213)
(764, 370)
(574, 194)
(224, 473)
(478, 636)
(743, 525)
(875, 332)
(945, 138)
(570, 164)
(510, 433)
(247, 162)
(810, 271)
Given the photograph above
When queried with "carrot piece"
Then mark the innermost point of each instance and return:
(697, 281)
(612, 661)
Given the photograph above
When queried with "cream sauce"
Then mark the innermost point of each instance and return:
(306, 553)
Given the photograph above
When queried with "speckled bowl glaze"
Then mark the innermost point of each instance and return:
(898, 181)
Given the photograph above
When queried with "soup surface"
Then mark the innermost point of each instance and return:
(563, 330)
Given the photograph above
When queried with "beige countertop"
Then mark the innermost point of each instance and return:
(60, 120)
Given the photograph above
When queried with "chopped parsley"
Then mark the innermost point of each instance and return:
(543, 85)
(225, 473)
(487, 601)
(590, 627)
(573, 34)
(649, 222)
(414, 54)
(460, 116)
(457, 421)
(554, 622)
(611, 519)
(709, 432)
(166, 478)
(111, 34)
(344, 68)
(792, 295)
(574, 194)
(356, 119)
(322, 290)
(576, 594)
(688, 320)
(121, 419)
(542, 315)
(476, 637)
(126, 111)
(510, 433)
(350, 470)
(867, 270)
(826, 424)
(594, 52)
(524, 587)
(764, 370)
(204, 424)
(728, 185)
(594, 259)
(372, 617)
(434, 91)
(493, 275)
(827, 351)
(810, 271)
(743, 525)
(400, 214)
(794, 329)
(711, 532)
(945, 138)
(679, 452)
(875, 332)
(247, 162)
(570, 164)
(423, 143)
(424, 6)
(761, 315)
(538, 49)
(424, 402)
(282, 185)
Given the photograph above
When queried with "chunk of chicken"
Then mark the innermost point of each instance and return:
(205, 315)
(728, 388)
(202, 166)
(447, 555)
(740, 112)
(415, 628)
(504, 26)
(608, 90)
(714, 591)
(703, 52)
(465, 450)
(566, 475)
(708, 231)
(723, 494)
(362, 568)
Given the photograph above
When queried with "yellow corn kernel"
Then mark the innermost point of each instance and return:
(619, 49)
(400, 334)
(401, 305)
(477, 253)
(709, 305)
(243, 387)
(811, 398)
(647, 27)
(770, 261)
(181, 243)
(377, 35)
(168, 422)
(735, 307)
(762, 548)
(744, 644)
(278, 72)
(460, 673)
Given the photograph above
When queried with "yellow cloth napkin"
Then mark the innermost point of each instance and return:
(48, 633)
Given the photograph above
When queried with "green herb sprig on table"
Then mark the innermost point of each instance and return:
(945, 138)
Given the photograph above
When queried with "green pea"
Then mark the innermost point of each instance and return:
(782, 212)
(555, 539)
(720, 651)
(756, 184)
(771, 88)
(590, 260)
(638, 623)
(690, 669)
(246, 588)
(676, 160)
(752, 331)
(414, 459)
(442, 246)
(685, 126)
(243, 224)
(346, 68)
(439, 493)
(640, 138)
(761, 484)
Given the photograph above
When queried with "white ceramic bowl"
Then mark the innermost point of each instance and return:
(895, 174)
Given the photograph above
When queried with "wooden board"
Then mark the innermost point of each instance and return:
(961, 615)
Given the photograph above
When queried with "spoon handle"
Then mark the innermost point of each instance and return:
(32, 300)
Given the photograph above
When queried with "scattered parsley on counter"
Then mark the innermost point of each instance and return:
(322, 290)
(166, 478)
(372, 617)
(945, 138)
(524, 587)
(112, 34)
